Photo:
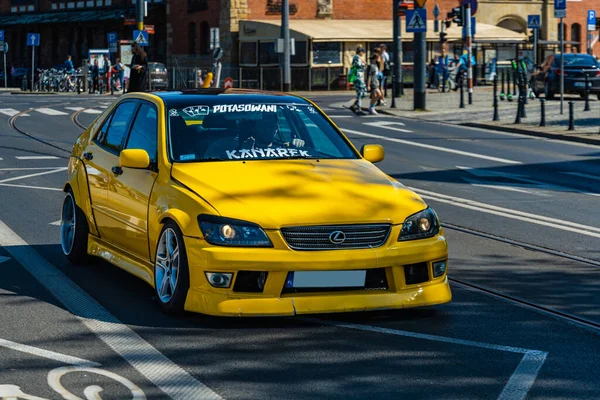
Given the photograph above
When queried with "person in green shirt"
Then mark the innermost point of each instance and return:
(358, 64)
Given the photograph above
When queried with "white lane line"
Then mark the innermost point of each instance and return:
(473, 182)
(341, 116)
(588, 176)
(158, 369)
(431, 147)
(26, 169)
(11, 112)
(74, 108)
(386, 125)
(31, 187)
(92, 111)
(512, 214)
(524, 376)
(55, 223)
(1, 159)
(517, 386)
(36, 158)
(63, 358)
(50, 111)
(16, 178)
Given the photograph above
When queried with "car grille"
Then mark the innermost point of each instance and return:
(324, 237)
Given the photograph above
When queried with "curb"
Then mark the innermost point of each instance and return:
(528, 132)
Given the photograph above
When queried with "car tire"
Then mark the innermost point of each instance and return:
(548, 93)
(73, 231)
(171, 271)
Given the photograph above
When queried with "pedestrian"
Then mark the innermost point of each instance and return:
(69, 64)
(442, 68)
(358, 69)
(119, 73)
(138, 70)
(95, 74)
(431, 70)
(373, 82)
(387, 68)
(106, 70)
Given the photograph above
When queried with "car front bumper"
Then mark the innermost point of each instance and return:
(392, 257)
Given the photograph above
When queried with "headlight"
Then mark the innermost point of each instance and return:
(223, 231)
(421, 225)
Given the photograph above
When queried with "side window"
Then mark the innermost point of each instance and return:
(144, 132)
(101, 136)
(111, 138)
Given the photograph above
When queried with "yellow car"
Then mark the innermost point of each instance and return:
(243, 203)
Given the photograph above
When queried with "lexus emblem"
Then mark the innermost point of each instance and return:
(337, 237)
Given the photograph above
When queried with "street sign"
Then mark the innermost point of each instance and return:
(129, 21)
(141, 37)
(591, 20)
(416, 20)
(1, 38)
(149, 29)
(421, 3)
(560, 8)
(473, 4)
(404, 5)
(534, 22)
(436, 11)
(228, 83)
(33, 39)
(5, 48)
(111, 37)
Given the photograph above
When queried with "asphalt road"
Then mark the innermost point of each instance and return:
(521, 220)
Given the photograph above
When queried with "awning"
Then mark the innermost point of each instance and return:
(64, 16)
(344, 30)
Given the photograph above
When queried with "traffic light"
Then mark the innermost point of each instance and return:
(448, 23)
(531, 37)
(457, 15)
(443, 37)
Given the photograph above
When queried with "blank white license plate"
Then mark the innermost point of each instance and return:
(328, 279)
(579, 84)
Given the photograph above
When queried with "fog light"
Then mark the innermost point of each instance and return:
(219, 279)
(439, 268)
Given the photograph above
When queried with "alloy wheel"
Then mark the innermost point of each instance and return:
(67, 224)
(166, 267)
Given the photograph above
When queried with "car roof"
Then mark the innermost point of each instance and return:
(178, 99)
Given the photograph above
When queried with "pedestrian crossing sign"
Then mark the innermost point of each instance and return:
(416, 20)
(533, 22)
(141, 37)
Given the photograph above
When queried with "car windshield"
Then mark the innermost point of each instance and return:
(253, 131)
(578, 60)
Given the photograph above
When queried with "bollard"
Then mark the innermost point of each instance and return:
(523, 96)
(509, 95)
(393, 92)
(518, 118)
(543, 112)
(587, 95)
(462, 96)
(502, 95)
(571, 116)
(514, 82)
(496, 116)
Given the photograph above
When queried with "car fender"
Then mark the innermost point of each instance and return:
(77, 181)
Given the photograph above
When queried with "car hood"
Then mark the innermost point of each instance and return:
(277, 193)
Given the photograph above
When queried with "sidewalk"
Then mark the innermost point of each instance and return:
(444, 107)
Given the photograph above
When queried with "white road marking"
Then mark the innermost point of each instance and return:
(517, 386)
(588, 176)
(31, 187)
(55, 223)
(1, 159)
(341, 116)
(36, 158)
(431, 147)
(50, 111)
(92, 111)
(508, 213)
(11, 112)
(26, 169)
(473, 182)
(74, 108)
(158, 369)
(386, 125)
(46, 354)
(16, 178)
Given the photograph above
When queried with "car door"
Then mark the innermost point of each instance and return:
(99, 157)
(129, 188)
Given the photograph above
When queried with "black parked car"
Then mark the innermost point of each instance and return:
(547, 77)
(159, 78)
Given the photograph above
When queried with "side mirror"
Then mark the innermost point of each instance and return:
(372, 152)
(134, 158)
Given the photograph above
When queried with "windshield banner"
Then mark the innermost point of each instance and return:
(266, 153)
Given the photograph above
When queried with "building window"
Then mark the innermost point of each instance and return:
(248, 53)
(192, 37)
(197, 5)
(204, 38)
(14, 9)
(70, 5)
(22, 5)
(267, 54)
(301, 53)
(54, 6)
(62, 6)
(576, 35)
(327, 53)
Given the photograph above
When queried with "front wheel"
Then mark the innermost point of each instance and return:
(73, 231)
(171, 272)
